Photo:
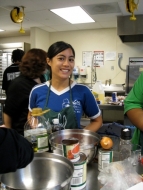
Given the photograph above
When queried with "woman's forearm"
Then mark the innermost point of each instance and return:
(136, 117)
(94, 124)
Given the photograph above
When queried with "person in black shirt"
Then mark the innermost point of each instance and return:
(12, 71)
(15, 151)
(32, 68)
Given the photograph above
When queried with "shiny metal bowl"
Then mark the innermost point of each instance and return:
(47, 171)
(88, 141)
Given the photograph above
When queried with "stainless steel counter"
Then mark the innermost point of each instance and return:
(92, 174)
(112, 113)
(110, 107)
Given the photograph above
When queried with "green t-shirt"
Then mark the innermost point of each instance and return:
(135, 96)
(135, 100)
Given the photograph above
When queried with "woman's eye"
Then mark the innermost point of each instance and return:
(61, 58)
(71, 60)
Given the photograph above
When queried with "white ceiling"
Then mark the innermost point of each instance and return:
(37, 14)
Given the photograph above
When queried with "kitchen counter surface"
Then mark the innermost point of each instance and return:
(92, 182)
(92, 174)
(110, 107)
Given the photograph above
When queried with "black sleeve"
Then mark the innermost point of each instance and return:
(15, 151)
(14, 99)
(4, 81)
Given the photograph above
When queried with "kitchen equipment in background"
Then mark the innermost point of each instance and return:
(47, 171)
(133, 71)
(17, 16)
(76, 72)
(98, 92)
(88, 141)
(130, 7)
(130, 31)
(83, 71)
(119, 88)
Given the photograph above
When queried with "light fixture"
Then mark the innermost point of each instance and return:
(1, 30)
(74, 15)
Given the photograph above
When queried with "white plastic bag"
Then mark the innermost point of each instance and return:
(119, 175)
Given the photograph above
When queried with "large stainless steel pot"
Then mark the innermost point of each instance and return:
(47, 171)
(88, 141)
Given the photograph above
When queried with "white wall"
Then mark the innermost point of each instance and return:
(39, 38)
(15, 39)
(88, 40)
(101, 40)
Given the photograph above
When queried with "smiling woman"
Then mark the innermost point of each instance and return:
(66, 100)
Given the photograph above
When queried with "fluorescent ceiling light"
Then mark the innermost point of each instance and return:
(1, 30)
(74, 15)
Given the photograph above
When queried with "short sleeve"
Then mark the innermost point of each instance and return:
(135, 96)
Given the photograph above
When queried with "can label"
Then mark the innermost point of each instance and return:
(78, 181)
(104, 158)
(114, 96)
(71, 149)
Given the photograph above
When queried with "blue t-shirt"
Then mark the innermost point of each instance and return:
(82, 98)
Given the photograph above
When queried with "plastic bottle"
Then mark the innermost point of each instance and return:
(125, 145)
(98, 92)
(56, 126)
(37, 130)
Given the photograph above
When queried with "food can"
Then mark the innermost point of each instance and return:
(71, 149)
(104, 158)
(78, 181)
(114, 96)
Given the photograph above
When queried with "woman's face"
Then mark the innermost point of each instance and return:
(62, 64)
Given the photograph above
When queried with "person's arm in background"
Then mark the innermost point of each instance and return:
(95, 124)
(12, 104)
(4, 81)
(133, 103)
(7, 120)
(15, 151)
(91, 109)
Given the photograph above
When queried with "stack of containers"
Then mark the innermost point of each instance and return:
(71, 150)
(105, 153)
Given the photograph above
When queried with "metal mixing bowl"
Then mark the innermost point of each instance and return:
(47, 171)
(88, 141)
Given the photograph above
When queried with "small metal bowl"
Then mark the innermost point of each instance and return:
(88, 141)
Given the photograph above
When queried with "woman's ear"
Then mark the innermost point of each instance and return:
(48, 62)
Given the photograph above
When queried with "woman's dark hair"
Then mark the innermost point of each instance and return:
(33, 63)
(56, 48)
(17, 55)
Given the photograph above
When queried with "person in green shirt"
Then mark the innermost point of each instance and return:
(133, 108)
